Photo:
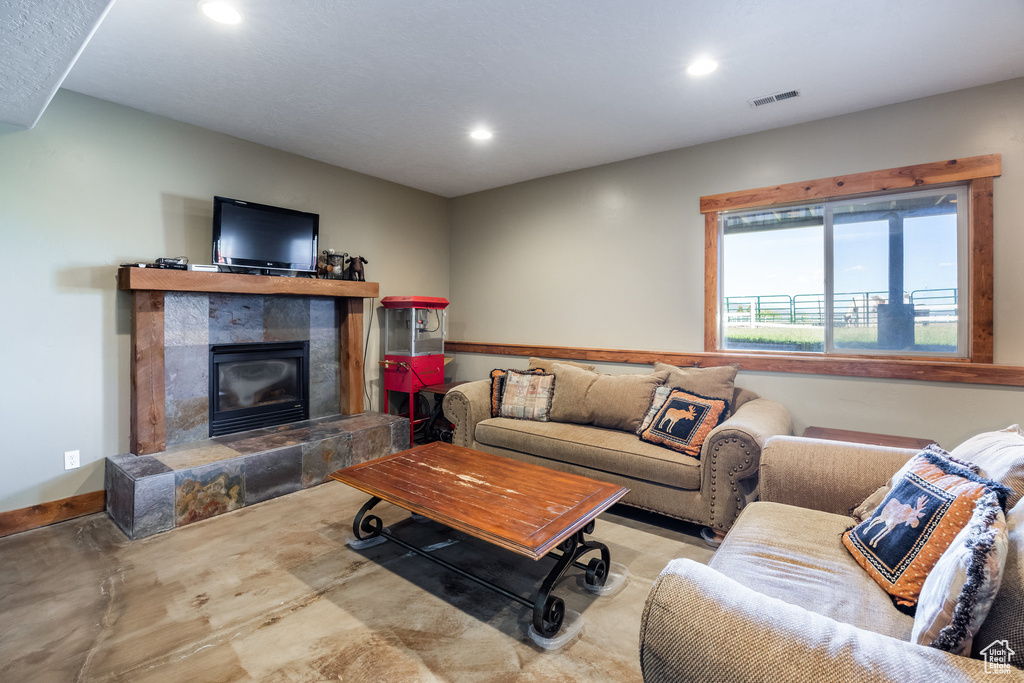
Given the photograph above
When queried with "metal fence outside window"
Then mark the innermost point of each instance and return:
(851, 309)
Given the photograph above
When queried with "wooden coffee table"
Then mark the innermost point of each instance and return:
(525, 508)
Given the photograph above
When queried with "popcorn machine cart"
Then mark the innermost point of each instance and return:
(415, 328)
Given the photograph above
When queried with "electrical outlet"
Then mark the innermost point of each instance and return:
(71, 460)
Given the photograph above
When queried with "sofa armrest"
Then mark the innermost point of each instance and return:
(831, 476)
(700, 625)
(465, 406)
(731, 454)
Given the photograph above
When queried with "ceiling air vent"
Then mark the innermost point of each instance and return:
(774, 97)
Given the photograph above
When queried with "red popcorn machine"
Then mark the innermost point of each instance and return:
(414, 331)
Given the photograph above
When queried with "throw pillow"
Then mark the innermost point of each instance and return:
(621, 401)
(610, 401)
(1004, 626)
(681, 421)
(544, 364)
(497, 386)
(916, 522)
(527, 395)
(1001, 458)
(959, 591)
(715, 382)
(570, 401)
(741, 396)
(870, 504)
(657, 401)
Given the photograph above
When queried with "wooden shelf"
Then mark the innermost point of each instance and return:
(159, 279)
(869, 438)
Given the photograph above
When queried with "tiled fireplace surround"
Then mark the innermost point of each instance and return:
(196, 477)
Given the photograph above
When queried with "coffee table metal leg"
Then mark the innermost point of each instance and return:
(548, 610)
(372, 526)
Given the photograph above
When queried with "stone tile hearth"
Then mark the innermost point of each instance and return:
(148, 494)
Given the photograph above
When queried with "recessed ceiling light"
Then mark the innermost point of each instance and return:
(220, 12)
(481, 134)
(702, 66)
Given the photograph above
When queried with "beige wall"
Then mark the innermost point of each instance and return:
(95, 184)
(612, 256)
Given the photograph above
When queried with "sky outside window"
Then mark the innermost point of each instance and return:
(790, 261)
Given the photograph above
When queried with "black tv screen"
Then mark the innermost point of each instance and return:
(251, 235)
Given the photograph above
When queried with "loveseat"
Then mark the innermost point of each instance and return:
(709, 490)
(783, 600)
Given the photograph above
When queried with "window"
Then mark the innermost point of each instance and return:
(894, 264)
(878, 275)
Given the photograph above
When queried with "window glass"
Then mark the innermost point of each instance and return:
(895, 274)
(773, 280)
(880, 275)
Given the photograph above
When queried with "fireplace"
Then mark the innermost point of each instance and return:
(170, 393)
(258, 385)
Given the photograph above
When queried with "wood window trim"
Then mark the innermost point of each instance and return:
(977, 171)
(924, 370)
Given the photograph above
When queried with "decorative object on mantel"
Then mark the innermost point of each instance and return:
(330, 266)
(354, 270)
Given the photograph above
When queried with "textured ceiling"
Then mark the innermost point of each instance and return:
(39, 41)
(392, 87)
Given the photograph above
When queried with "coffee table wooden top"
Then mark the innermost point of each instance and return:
(522, 507)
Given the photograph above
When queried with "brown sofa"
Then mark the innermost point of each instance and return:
(710, 490)
(782, 599)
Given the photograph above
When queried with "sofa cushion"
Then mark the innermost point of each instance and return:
(599, 449)
(1005, 620)
(794, 554)
(715, 382)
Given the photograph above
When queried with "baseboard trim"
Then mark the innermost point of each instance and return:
(44, 514)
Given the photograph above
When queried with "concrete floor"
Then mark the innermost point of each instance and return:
(272, 593)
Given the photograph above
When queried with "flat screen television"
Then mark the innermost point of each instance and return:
(250, 235)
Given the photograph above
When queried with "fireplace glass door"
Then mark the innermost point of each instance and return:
(257, 385)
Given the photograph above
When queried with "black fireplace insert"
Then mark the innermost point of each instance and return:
(258, 385)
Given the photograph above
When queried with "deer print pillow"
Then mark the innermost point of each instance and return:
(680, 420)
(916, 522)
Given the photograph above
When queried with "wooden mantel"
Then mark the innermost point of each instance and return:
(147, 285)
(157, 279)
